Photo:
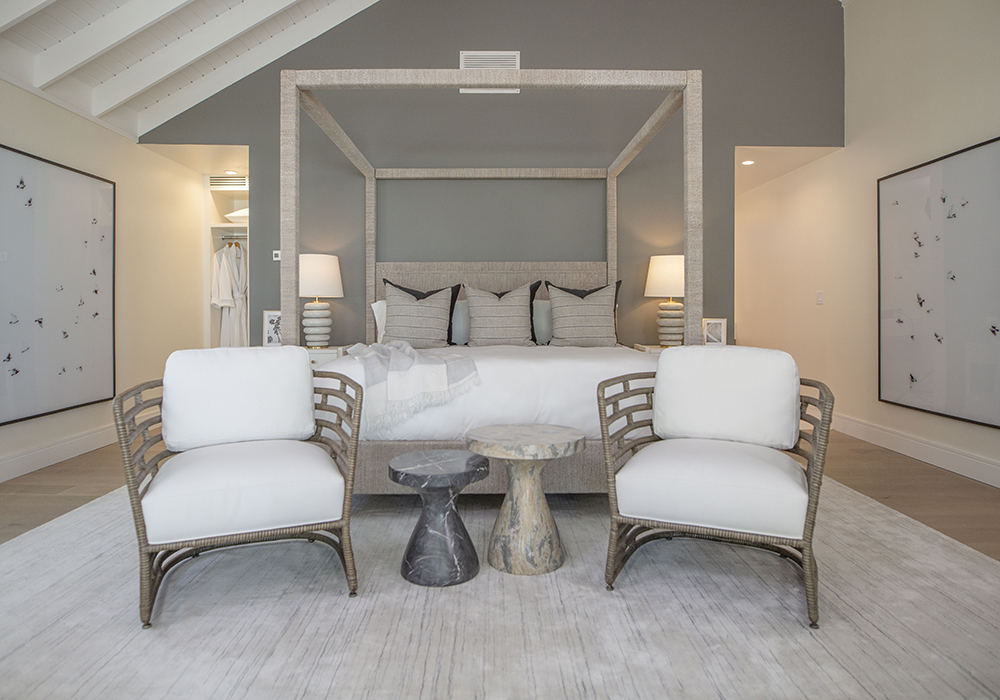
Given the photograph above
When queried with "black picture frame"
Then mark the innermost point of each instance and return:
(939, 285)
(57, 287)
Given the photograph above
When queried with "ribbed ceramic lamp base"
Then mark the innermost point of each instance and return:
(670, 323)
(316, 324)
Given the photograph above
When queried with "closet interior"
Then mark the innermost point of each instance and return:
(227, 205)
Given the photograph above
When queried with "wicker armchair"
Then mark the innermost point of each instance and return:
(627, 406)
(323, 463)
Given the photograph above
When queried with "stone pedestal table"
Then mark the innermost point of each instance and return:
(525, 539)
(440, 552)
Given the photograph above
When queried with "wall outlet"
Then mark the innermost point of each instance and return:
(819, 297)
(275, 255)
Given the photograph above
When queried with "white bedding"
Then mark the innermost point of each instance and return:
(555, 385)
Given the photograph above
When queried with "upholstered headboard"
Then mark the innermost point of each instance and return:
(492, 276)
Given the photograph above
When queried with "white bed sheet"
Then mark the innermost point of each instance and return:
(542, 384)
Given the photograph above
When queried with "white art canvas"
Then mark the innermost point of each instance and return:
(939, 286)
(57, 246)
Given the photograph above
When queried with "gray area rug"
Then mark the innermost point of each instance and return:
(905, 612)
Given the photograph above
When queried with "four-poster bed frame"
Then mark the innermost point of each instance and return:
(583, 472)
(683, 92)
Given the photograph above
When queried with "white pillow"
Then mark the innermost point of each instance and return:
(542, 321)
(460, 323)
(225, 395)
(378, 308)
(727, 393)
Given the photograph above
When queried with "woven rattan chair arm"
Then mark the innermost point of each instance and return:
(136, 440)
(819, 438)
(633, 433)
(343, 419)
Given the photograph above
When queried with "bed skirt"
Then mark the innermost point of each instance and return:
(581, 473)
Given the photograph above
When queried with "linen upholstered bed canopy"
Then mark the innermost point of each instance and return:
(683, 93)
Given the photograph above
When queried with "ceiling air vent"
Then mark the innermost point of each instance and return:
(490, 60)
(228, 182)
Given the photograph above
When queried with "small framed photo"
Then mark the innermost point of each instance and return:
(713, 331)
(272, 328)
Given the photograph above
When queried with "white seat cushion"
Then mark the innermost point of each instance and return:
(225, 395)
(715, 483)
(242, 487)
(728, 393)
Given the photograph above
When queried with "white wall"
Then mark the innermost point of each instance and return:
(922, 81)
(159, 266)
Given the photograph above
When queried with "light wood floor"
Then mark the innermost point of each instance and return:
(961, 508)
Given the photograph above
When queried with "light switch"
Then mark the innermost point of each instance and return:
(819, 297)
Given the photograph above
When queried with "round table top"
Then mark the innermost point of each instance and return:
(525, 441)
(438, 468)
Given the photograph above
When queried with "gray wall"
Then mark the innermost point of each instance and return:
(773, 75)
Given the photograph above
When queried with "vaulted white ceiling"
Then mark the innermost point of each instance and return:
(133, 64)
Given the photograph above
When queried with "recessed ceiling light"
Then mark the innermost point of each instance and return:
(233, 172)
(748, 162)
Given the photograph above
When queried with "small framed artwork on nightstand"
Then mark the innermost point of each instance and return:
(713, 331)
(272, 328)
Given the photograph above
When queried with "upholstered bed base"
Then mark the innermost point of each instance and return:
(581, 473)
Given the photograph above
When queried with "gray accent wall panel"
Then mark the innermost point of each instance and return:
(473, 220)
(773, 75)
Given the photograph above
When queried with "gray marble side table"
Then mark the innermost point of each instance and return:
(440, 552)
(525, 539)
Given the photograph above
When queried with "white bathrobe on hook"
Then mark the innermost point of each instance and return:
(229, 293)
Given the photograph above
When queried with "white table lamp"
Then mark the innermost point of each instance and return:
(319, 276)
(666, 279)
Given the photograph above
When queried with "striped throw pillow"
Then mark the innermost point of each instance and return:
(422, 319)
(584, 318)
(501, 319)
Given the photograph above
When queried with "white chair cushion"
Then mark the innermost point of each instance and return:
(226, 395)
(242, 487)
(727, 393)
(715, 483)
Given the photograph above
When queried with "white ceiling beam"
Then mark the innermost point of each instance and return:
(178, 55)
(100, 37)
(14, 11)
(246, 63)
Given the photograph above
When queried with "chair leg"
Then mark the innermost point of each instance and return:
(610, 573)
(352, 573)
(811, 572)
(146, 592)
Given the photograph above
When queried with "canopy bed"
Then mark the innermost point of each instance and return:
(584, 472)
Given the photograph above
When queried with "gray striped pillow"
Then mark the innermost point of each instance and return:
(584, 318)
(421, 319)
(500, 319)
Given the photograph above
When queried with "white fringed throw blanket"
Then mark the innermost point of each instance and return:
(400, 382)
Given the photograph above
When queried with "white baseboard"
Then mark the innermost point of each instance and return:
(972, 466)
(32, 460)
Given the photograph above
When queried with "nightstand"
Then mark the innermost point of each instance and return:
(651, 349)
(320, 356)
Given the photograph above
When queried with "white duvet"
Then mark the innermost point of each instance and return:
(540, 384)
